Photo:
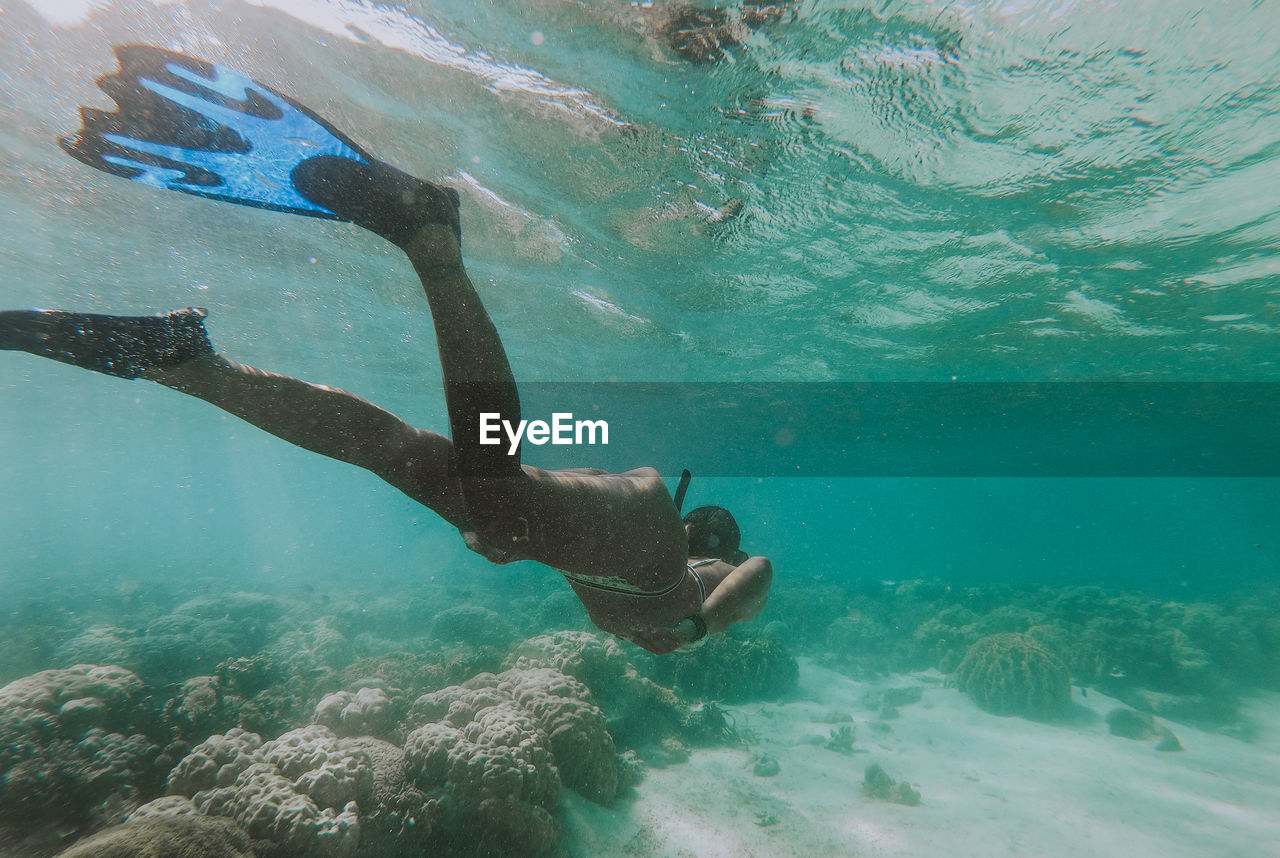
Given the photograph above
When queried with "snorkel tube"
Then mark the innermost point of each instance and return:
(681, 488)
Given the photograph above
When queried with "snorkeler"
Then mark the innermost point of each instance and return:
(642, 572)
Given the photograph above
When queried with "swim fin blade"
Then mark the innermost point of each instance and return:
(187, 125)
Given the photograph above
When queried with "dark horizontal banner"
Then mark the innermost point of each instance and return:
(964, 429)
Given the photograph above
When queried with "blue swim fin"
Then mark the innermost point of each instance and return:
(204, 129)
(188, 125)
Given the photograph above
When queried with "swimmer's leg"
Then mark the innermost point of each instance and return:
(199, 128)
(477, 380)
(173, 349)
(331, 422)
(188, 125)
(422, 219)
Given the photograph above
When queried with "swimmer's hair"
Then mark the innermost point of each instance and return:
(713, 533)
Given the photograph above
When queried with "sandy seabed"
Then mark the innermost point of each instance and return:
(991, 786)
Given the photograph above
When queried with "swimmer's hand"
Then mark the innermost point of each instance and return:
(486, 550)
(664, 641)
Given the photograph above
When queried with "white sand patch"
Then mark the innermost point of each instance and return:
(991, 786)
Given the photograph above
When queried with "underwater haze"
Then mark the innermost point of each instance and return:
(820, 192)
(851, 192)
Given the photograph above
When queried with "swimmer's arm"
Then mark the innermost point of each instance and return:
(740, 596)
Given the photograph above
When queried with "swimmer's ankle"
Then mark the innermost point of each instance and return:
(181, 375)
(434, 248)
(378, 197)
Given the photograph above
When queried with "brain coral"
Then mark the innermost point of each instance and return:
(245, 692)
(401, 817)
(298, 793)
(561, 707)
(584, 751)
(188, 836)
(471, 624)
(1011, 674)
(191, 640)
(640, 711)
(75, 746)
(495, 751)
(367, 712)
(497, 778)
(732, 669)
(593, 659)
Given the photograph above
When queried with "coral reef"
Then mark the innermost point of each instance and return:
(215, 761)
(302, 793)
(295, 796)
(495, 750)
(562, 709)
(166, 836)
(200, 708)
(596, 660)
(496, 730)
(78, 747)
(1188, 649)
(29, 632)
(191, 640)
(366, 712)
(471, 624)
(1011, 674)
(942, 640)
(559, 610)
(857, 636)
(400, 618)
(241, 692)
(316, 650)
(1186, 660)
(732, 669)
(639, 710)
(399, 821)
(408, 674)
(495, 779)
(807, 610)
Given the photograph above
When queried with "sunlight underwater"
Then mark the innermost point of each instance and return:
(216, 641)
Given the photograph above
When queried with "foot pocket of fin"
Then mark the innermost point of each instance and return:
(123, 346)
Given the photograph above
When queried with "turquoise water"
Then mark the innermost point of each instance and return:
(913, 191)
(1000, 192)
